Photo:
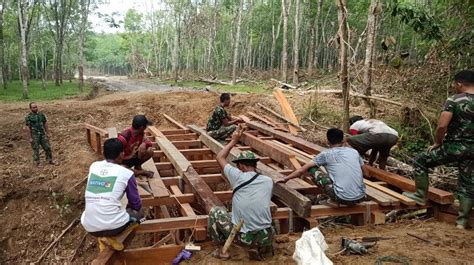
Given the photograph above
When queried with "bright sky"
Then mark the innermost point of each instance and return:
(120, 7)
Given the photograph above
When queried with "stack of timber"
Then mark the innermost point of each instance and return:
(188, 182)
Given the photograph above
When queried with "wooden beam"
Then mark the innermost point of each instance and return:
(160, 255)
(261, 119)
(157, 186)
(181, 137)
(380, 197)
(323, 210)
(185, 198)
(187, 144)
(173, 223)
(403, 199)
(174, 131)
(287, 111)
(186, 152)
(204, 194)
(95, 129)
(174, 122)
(299, 203)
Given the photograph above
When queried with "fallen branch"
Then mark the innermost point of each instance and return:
(71, 225)
(283, 85)
(281, 117)
(219, 82)
(353, 94)
(420, 238)
(77, 184)
(77, 248)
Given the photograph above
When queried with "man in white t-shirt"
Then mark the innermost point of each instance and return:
(104, 216)
(251, 198)
(371, 134)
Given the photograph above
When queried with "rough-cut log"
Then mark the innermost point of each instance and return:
(353, 94)
(204, 194)
(434, 194)
(283, 84)
(296, 201)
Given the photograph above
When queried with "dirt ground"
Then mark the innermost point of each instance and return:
(38, 203)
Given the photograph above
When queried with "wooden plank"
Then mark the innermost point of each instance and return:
(380, 197)
(174, 122)
(181, 137)
(260, 118)
(157, 186)
(186, 152)
(187, 144)
(434, 194)
(204, 194)
(143, 193)
(160, 255)
(299, 203)
(403, 199)
(112, 132)
(187, 210)
(323, 210)
(95, 129)
(185, 198)
(175, 131)
(286, 109)
(173, 223)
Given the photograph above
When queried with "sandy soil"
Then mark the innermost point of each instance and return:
(38, 203)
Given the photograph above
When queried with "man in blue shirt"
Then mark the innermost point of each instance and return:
(345, 168)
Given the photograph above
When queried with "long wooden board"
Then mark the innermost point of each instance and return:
(403, 199)
(295, 200)
(160, 256)
(157, 186)
(174, 122)
(204, 194)
(286, 109)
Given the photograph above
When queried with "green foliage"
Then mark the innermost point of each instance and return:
(420, 20)
(36, 93)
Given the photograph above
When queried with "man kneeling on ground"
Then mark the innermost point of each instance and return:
(104, 216)
(137, 149)
(345, 184)
(252, 193)
(220, 124)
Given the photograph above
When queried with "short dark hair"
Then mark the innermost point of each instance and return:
(465, 77)
(355, 118)
(248, 163)
(31, 103)
(335, 136)
(140, 121)
(112, 148)
(224, 97)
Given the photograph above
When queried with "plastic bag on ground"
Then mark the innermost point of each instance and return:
(310, 248)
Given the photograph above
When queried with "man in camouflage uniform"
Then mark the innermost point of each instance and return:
(454, 144)
(220, 124)
(251, 198)
(38, 133)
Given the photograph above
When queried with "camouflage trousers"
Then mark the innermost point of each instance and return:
(41, 140)
(459, 153)
(325, 183)
(223, 132)
(220, 225)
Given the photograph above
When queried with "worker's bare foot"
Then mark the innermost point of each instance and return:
(219, 255)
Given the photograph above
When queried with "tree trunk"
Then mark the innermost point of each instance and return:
(174, 65)
(43, 69)
(23, 23)
(3, 68)
(84, 13)
(342, 32)
(237, 42)
(212, 37)
(284, 52)
(369, 53)
(296, 47)
(316, 34)
(274, 39)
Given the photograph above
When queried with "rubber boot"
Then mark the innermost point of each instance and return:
(102, 245)
(112, 242)
(465, 206)
(420, 195)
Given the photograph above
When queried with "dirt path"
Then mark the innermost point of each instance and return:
(122, 83)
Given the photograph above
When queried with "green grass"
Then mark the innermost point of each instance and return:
(14, 92)
(247, 88)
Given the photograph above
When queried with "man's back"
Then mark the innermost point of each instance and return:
(106, 186)
(252, 202)
(461, 127)
(215, 120)
(372, 126)
(344, 168)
